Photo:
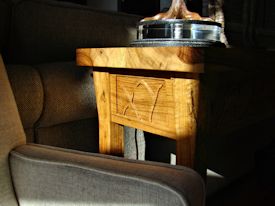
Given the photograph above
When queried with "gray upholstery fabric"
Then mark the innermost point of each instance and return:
(45, 31)
(51, 176)
(28, 91)
(68, 93)
(79, 135)
(48, 31)
(11, 135)
(29, 135)
(62, 116)
(60, 177)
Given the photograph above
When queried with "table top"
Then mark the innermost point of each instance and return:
(179, 59)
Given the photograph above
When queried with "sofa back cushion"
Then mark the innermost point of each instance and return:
(56, 104)
(28, 90)
(68, 93)
(48, 31)
(69, 117)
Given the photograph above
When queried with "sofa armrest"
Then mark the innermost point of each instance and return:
(66, 177)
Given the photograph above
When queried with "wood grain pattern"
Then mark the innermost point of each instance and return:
(164, 106)
(186, 109)
(162, 102)
(182, 59)
(146, 102)
(143, 99)
(163, 85)
(111, 134)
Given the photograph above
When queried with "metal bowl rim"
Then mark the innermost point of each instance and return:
(174, 40)
(177, 21)
(172, 43)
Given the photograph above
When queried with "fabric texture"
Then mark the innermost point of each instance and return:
(29, 135)
(52, 176)
(56, 104)
(28, 91)
(11, 135)
(68, 93)
(55, 29)
(46, 31)
(44, 175)
(79, 135)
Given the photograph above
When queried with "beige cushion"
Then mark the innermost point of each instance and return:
(68, 93)
(28, 92)
(51, 177)
(56, 103)
(79, 135)
(11, 135)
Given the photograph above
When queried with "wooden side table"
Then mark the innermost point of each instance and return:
(187, 94)
(153, 89)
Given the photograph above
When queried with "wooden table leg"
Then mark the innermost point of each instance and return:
(111, 135)
(186, 88)
(186, 109)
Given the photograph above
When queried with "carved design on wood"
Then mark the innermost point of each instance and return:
(145, 100)
(131, 96)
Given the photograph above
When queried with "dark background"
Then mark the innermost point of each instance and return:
(145, 7)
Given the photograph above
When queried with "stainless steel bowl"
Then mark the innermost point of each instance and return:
(177, 32)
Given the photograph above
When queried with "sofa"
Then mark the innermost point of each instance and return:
(38, 42)
(33, 174)
(56, 102)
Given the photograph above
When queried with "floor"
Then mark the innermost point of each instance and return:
(254, 189)
(251, 190)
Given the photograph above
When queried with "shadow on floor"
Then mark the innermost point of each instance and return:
(254, 189)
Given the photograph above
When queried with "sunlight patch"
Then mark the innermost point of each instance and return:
(211, 173)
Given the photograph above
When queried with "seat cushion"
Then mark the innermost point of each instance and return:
(79, 135)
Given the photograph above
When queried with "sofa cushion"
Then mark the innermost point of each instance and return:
(56, 104)
(68, 93)
(48, 31)
(5, 13)
(28, 91)
(79, 135)
(76, 178)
